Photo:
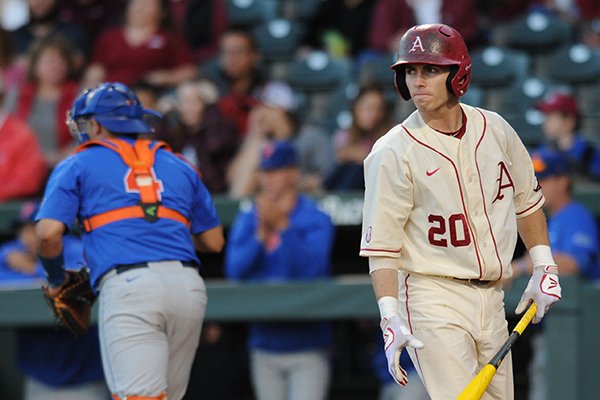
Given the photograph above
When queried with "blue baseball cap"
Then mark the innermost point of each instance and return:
(550, 163)
(278, 154)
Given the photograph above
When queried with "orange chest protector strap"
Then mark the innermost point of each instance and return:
(139, 157)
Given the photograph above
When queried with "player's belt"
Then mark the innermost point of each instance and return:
(476, 282)
(120, 268)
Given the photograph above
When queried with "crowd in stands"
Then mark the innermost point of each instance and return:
(225, 94)
(201, 64)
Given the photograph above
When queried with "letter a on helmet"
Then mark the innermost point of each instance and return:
(435, 44)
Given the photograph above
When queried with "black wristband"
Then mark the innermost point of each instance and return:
(54, 269)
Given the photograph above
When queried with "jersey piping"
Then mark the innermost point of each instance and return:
(487, 217)
(475, 247)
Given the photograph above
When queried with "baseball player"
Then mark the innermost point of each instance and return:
(144, 212)
(446, 192)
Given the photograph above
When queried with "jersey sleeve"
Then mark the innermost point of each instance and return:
(387, 204)
(204, 213)
(528, 196)
(61, 197)
(577, 236)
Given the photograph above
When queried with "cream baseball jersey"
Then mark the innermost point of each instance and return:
(445, 206)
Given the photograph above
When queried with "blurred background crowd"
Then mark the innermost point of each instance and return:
(230, 76)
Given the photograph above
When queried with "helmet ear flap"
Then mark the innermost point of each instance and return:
(400, 82)
(450, 79)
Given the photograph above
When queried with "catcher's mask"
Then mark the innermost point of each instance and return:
(112, 105)
(435, 44)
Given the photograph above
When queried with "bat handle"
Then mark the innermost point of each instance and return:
(526, 319)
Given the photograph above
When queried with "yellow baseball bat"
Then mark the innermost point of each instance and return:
(476, 388)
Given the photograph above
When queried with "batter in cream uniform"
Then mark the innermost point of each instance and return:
(441, 210)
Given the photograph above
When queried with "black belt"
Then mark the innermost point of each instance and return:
(476, 282)
(120, 268)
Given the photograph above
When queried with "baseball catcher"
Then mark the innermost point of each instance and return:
(71, 303)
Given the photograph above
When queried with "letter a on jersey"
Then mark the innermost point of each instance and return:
(417, 44)
(504, 182)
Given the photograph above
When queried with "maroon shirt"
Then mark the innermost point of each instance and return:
(125, 63)
(393, 16)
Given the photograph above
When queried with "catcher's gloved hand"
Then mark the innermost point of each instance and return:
(71, 303)
(543, 288)
(396, 337)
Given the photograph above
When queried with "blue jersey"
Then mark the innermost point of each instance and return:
(73, 253)
(573, 231)
(302, 252)
(97, 180)
(49, 355)
(583, 156)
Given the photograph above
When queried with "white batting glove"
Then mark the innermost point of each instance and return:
(396, 337)
(543, 288)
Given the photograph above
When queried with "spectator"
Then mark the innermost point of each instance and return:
(204, 23)
(148, 94)
(275, 118)
(55, 364)
(572, 228)
(142, 47)
(197, 130)
(391, 18)
(340, 27)
(22, 165)
(12, 72)
(283, 237)
(574, 241)
(237, 76)
(46, 95)
(45, 21)
(561, 132)
(94, 16)
(371, 119)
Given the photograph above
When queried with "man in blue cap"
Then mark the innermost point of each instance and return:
(283, 237)
(574, 242)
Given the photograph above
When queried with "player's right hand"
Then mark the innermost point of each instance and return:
(395, 338)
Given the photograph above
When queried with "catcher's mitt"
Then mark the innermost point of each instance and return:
(72, 306)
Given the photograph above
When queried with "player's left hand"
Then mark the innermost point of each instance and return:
(396, 337)
(543, 288)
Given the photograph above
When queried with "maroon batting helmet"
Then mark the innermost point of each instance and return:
(436, 44)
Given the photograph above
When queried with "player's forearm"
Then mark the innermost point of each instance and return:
(533, 229)
(385, 283)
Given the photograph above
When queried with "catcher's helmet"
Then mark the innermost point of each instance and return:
(436, 44)
(114, 106)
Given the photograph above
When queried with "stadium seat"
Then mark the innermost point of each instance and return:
(301, 10)
(318, 77)
(495, 66)
(318, 72)
(537, 32)
(575, 64)
(528, 125)
(376, 70)
(251, 12)
(525, 94)
(278, 39)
